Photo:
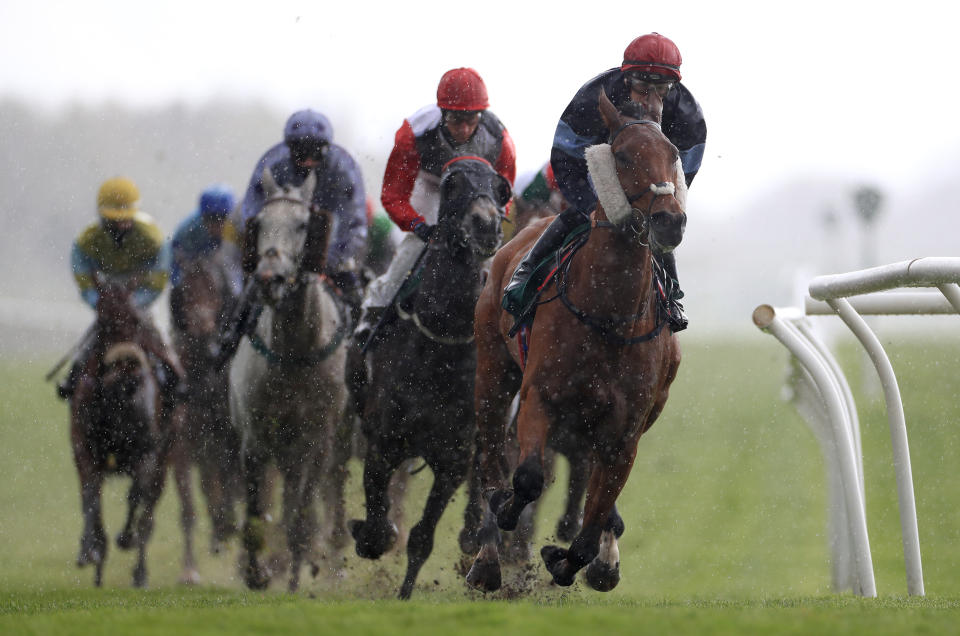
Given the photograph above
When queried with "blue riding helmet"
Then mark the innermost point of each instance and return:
(216, 200)
(306, 125)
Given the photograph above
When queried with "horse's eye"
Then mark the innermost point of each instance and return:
(302, 227)
(623, 158)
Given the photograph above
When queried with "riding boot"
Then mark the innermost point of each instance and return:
(678, 321)
(242, 322)
(549, 242)
(369, 318)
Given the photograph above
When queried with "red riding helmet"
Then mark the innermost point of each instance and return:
(653, 53)
(462, 89)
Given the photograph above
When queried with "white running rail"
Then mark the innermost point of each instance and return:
(833, 415)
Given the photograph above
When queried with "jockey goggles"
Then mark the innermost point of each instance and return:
(643, 82)
(455, 117)
(303, 149)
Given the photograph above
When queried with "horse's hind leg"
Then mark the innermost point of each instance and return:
(180, 456)
(420, 543)
(151, 475)
(298, 517)
(570, 522)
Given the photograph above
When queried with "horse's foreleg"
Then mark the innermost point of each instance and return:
(254, 530)
(420, 543)
(484, 573)
(376, 534)
(528, 479)
(93, 541)
(606, 483)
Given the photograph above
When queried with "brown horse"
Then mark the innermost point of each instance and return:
(599, 363)
(199, 304)
(117, 426)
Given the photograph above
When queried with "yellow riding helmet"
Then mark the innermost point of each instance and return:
(118, 199)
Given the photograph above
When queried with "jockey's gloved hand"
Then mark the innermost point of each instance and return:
(424, 231)
(350, 285)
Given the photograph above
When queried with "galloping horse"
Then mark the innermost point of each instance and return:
(287, 387)
(599, 363)
(422, 367)
(116, 426)
(199, 305)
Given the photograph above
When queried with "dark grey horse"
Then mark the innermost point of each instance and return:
(419, 397)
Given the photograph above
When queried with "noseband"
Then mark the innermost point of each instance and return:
(664, 188)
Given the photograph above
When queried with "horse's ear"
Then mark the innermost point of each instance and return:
(268, 183)
(608, 111)
(503, 190)
(451, 187)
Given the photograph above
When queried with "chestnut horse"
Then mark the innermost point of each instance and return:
(199, 305)
(117, 426)
(599, 363)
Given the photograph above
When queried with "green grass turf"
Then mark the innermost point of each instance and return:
(725, 514)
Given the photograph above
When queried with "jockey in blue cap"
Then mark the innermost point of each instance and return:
(204, 231)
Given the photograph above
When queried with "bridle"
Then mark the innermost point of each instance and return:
(663, 188)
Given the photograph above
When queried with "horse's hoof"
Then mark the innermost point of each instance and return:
(484, 575)
(256, 579)
(372, 547)
(140, 577)
(505, 509)
(602, 576)
(555, 558)
(126, 540)
(469, 541)
(88, 555)
(568, 529)
(189, 576)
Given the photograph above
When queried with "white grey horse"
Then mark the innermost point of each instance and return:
(287, 393)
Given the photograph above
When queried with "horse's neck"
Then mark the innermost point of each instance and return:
(613, 271)
(301, 321)
(449, 289)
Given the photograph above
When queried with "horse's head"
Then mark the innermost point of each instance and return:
(199, 301)
(117, 317)
(638, 176)
(283, 228)
(126, 369)
(472, 202)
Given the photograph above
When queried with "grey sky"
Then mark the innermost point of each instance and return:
(847, 88)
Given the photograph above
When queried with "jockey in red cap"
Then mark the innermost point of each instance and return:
(459, 124)
(651, 62)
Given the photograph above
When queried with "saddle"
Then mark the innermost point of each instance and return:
(543, 274)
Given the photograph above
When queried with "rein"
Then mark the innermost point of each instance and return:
(412, 316)
(606, 325)
(314, 356)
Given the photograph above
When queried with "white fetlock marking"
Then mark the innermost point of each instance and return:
(609, 549)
